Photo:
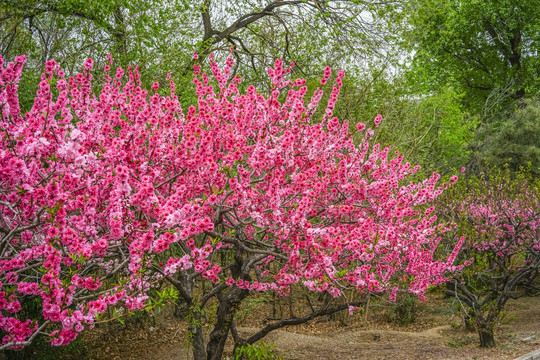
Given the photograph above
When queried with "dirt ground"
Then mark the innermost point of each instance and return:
(437, 333)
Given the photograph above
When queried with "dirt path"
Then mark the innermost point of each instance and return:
(358, 344)
(436, 334)
(370, 344)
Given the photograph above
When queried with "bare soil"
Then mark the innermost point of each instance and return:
(437, 333)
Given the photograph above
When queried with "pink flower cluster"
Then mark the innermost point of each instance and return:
(504, 222)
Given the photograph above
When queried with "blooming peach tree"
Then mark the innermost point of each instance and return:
(500, 216)
(106, 196)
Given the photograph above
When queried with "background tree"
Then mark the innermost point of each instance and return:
(499, 216)
(514, 140)
(486, 51)
(435, 131)
(157, 33)
(480, 46)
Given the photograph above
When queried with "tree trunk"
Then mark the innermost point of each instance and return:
(224, 314)
(120, 36)
(487, 340)
(468, 322)
(196, 334)
(219, 334)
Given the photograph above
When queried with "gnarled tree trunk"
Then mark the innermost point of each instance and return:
(225, 312)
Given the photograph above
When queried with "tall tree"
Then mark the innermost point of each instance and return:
(487, 47)
(154, 31)
(71, 31)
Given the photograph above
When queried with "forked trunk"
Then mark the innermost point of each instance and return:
(196, 335)
(218, 336)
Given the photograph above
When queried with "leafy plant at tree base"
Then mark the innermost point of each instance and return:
(105, 196)
(500, 216)
(259, 351)
(403, 312)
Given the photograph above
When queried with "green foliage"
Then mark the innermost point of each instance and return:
(159, 299)
(257, 351)
(193, 319)
(433, 131)
(153, 34)
(479, 46)
(513, 139)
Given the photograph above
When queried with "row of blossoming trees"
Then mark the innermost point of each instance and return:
(106, 197)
